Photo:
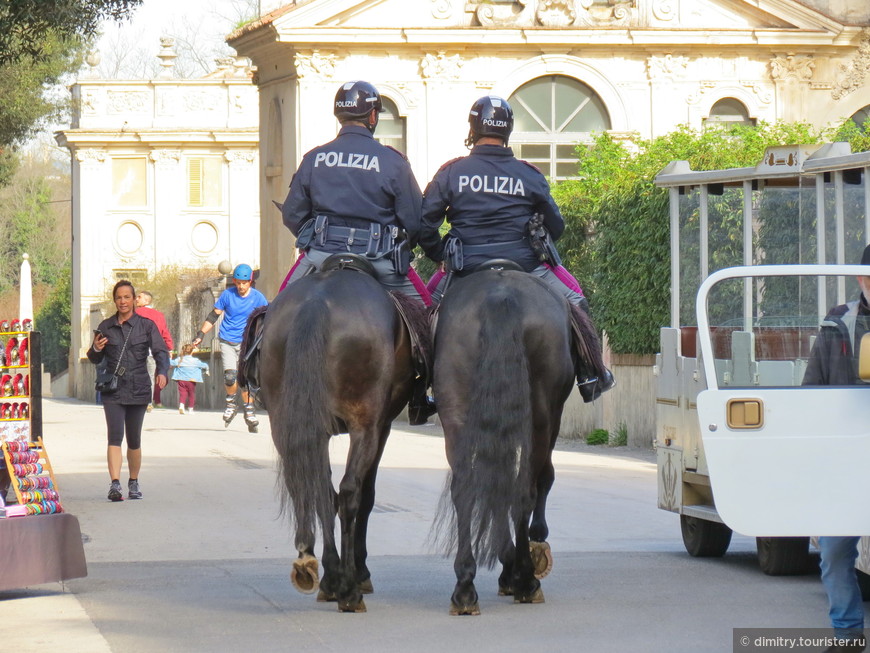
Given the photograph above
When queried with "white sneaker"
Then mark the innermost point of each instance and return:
(181, 409)
(190, 411)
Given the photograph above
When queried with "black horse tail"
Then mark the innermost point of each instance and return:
(302, 424)
(494, 488)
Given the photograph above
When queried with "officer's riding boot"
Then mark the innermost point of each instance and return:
(421, 406)
(593, 377)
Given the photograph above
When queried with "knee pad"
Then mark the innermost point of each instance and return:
(230, 378)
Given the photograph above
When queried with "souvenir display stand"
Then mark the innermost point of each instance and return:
(39, 542)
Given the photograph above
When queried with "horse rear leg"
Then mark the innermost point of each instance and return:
(542, 558)
(367, 503)
(527, 588)
(361, 458)
(464, 599)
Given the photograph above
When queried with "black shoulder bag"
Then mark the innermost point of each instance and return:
(107, 382)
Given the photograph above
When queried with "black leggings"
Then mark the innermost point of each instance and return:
(121, 416)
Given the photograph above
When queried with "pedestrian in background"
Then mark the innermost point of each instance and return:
(187, 373)
(235, 304)
(143, 308)
(833, 362)
(123, 341)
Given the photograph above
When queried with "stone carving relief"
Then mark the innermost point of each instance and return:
(91, 156)
(240, 156)
(165, 156)
(556, 13)
(602, 12)
(440, 66)
(764, 96)
(500, 14)
(667, 67)
(664, 9)
(203, 101)
(442, 9)
(856, 70)
(315, 65)
(703, 87)
(798, 67)
(127, 101)
(89, 102)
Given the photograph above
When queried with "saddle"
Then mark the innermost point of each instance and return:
(348, 261)
(416, 319)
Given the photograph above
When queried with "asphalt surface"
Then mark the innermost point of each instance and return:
(202, 562)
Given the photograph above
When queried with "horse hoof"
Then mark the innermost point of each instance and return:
(305, 574)
(505, 591)
(542, 559)
(456, 610)
(352, 607)
(325, 597)
(536, 597)
(366, 587)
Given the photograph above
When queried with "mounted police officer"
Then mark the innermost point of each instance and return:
(355, 195)
(498, 207)
(490, 198)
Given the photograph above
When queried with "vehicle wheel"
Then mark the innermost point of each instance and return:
(783, 556)
(704, 539)
(864, 584)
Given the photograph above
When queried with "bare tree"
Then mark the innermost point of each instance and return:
(130, 51)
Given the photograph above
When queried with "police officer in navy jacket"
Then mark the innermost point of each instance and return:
(489, 197)
(355, 195)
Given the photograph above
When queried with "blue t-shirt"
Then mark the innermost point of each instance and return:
(236, 310)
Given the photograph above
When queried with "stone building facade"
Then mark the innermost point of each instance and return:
(164, 173)
(569, 67)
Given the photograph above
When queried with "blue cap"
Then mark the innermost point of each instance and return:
(243, 272)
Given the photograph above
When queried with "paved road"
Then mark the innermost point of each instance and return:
(201, 564)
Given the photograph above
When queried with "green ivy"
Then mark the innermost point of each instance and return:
(617, 237)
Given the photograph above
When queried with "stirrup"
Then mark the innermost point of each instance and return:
(592, 387)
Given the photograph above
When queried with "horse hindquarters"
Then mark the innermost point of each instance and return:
(301, 426)
(491, 485)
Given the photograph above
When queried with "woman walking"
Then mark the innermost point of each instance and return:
(123, 341)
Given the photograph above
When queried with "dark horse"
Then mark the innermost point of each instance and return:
(503, 370)
(335, 357)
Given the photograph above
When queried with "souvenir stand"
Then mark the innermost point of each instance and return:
(39, 542)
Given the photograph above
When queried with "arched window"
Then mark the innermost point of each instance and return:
(391, 127)
(552, 115)
(727, 112)
(861, 117)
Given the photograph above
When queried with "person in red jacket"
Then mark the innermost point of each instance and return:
(143, 308)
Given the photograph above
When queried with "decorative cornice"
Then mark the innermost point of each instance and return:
(315, 65)
(440, 66)
(855, 70)
(667, 67)
(91, 155)
(792, 66)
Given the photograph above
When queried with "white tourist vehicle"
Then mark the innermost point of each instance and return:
(759, 255)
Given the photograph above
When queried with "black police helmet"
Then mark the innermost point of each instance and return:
(355, 101)
(490, 116)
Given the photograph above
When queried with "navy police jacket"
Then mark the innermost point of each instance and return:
(354, 181)
(488, 197)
